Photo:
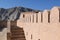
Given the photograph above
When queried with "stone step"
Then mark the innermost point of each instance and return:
(18, 36)
(18, 39)
(18, 30)
(17, 33)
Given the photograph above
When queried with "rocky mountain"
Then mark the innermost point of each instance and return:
(13, 13)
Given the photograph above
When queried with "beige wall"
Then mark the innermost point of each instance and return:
(54, 15)
(41, 30)
(3, 34)
(45, 16)
(39, 17)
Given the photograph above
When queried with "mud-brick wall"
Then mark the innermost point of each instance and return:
(8, 36)
(10, 25)
(13, 23)
(3, 23)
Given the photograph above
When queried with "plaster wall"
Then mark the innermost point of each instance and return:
(3, 34)
(42, 29)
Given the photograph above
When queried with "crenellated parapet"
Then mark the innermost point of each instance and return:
(46, 16)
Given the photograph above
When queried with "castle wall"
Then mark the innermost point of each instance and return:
(41, 26)
(3, 34)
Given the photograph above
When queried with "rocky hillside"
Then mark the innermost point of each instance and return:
(13, 13)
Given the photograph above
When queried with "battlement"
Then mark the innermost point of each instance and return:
(47, 16)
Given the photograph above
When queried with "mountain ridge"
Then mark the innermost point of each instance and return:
(13, 13)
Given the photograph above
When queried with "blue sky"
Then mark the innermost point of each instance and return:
(34, 4)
